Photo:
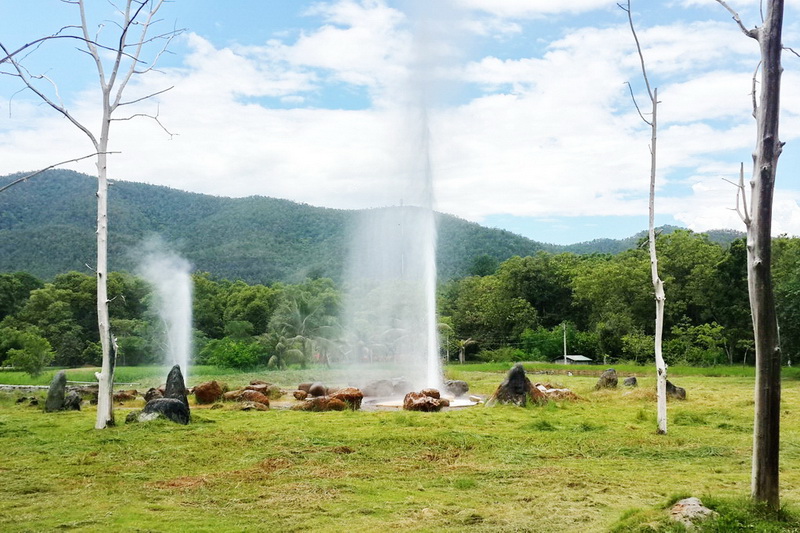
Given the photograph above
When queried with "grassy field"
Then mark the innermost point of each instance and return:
(591, 465)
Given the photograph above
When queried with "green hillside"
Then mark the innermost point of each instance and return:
(47, 227)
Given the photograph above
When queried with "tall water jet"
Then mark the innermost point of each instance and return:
(170, 276)
(390, 307)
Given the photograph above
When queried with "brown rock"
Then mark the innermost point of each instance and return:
(418, 401)
(300, 395)
(253, 406)
(304, 386)
(232, 396)
(253, 396)
(317, 389)
(260, 382)
(555, 393)
(321, 403)
(517, 389)
(260, 387)
(152, 394)
(125, 395)
(433, 393)
(208, 392)
(351, 396)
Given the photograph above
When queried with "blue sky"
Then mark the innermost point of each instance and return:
(531, 127)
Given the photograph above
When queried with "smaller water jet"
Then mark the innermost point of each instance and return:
(170, 276)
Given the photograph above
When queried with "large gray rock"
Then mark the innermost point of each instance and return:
(517, 389)
(171, 408)
(456, 387)
(630, 382)
(679, 393)
(608, 380)
(56, 393)
(176, 388)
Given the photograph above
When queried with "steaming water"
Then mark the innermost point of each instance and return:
(170, 277)
(390, 307)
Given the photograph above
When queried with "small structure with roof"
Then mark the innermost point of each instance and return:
(573, 360)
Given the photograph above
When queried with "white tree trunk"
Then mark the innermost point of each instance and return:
(658, 285)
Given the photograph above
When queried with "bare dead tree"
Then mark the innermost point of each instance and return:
(658, 285)
(115, 70)
(758, 219)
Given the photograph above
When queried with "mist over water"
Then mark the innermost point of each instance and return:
(390, 300)
(170, 276)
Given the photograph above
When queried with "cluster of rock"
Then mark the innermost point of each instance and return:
(608, 380)
(517, 389)
(317, 397)
(386, 388)
(426, 400)
(172, 405)
(58, 399)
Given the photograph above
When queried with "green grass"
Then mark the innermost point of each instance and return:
(591, 465)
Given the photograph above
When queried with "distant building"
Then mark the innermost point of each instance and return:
(573, 360)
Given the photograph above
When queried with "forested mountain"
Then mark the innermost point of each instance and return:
(47, 227)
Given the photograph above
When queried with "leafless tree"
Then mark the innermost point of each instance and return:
(116, 65)
(658, 285)
(758, 219)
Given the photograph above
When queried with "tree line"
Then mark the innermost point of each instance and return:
(515, 310)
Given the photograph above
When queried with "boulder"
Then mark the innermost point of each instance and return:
(172, 408)
(253, 406)
(208, 392)
(321, 403)
(400, 386)
(317, 389)
(517, 389)
(304, 387)
(418, 401)
(673, 391)
(351, 396)
(152, 393)
(176, 387)
(56, 393)
(300, 395)
(125, 395)
(260, 382)
(456, 387)
(260, 387)
(555, 393)
(689, 511)
(274, 392)
(433, 393)
(253, 396)
(608, 380)
(232, 395)
(631, 382)
(72, 402)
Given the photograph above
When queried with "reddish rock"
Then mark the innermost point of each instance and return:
(260, 387)
(432, 393)
(321, 403)
(253, 396)
(421, 401)
(351, 396)
(232, 396)
(208, 392)
(125, 395)
(300, 395)
(553, 392)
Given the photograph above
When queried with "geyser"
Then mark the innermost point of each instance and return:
(170, 276)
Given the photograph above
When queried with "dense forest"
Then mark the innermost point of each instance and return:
(47, 228)
(515, 310)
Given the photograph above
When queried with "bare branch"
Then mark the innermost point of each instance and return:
(151, 117)
(792, 50)
(34, 174)
(750, 33)
(146, 97)
(638, 48)
(753, 90)
(637, 105)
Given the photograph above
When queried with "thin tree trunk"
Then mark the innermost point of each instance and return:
(658, 285)
(766, 429)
